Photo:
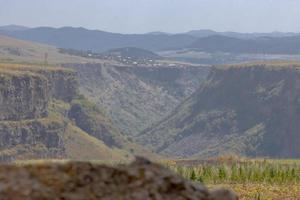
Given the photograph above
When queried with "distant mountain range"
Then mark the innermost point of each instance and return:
(98, 41)
(13, 28)
(206, 33)
(200, 40)
(260, 45)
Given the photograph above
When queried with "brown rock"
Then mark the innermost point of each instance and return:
(86, 181)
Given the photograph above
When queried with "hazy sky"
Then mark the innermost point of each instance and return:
(139, 16)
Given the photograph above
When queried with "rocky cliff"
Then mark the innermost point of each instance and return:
(42, 138)
(43, 116)
(25, 92)
(251, 110)
(22, 96)
(26, 128)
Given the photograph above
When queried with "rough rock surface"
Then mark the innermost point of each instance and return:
(83, 181)
(22, 96)
(41, 137)
(28, 129)
(25, 92)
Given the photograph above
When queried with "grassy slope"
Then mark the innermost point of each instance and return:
(19, 51)
(81, 146)
(93, 121)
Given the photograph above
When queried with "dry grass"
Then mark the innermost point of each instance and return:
(81, 146)
(256, 191)
(31, 67)
(19, 51)
(32, 70)
(266, 64)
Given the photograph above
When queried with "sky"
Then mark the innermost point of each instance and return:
(141, 16)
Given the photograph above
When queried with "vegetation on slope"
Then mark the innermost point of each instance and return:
(90, 119)
(79, 145)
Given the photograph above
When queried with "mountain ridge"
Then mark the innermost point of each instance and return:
(261, 45)
(98, 41)
(79, 38)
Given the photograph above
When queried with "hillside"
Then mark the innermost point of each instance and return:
(260, 45)
(135, 97)
(252, 110)
(98, 41)
(13, 27)
(206, 33)
(20, 51)
(43, 116)
(132, 96)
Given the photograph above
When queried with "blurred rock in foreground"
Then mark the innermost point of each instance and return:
(84, 181)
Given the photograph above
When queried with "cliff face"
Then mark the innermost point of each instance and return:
(22, 96)
(26, 128)
(41, 138)
(25, 93)
(248, 110)
(62, 84)
(136, 97)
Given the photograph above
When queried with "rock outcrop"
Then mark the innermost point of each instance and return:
(26, 91)
(22, 96)
(62, 84)
(26, 127)
(141, 180)
(41, 138)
